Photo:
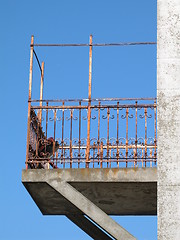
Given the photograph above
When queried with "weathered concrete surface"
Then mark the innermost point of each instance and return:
(168, 122)
(92, 211)
(115, 191)
(87, 226)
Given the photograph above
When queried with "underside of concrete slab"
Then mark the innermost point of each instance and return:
(88, 196)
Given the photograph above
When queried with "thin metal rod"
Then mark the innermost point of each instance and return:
(127, 115)
(145, 113)
(79, 153)
(54, 133)
(98, 142)
(94, 45)
(62, 140)
(89, 103)
(117, 140)
(37, 59)
(29, 103)
(46, 119)
(155, 126)
(95, 106)
(90, 68)
(108, 113)
(41, 92)
(71, 139)
(136, 137)
(94, 99)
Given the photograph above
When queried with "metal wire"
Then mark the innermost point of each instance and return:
(37, 60)
(95, 44)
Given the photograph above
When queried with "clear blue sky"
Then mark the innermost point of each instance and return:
(117, 72)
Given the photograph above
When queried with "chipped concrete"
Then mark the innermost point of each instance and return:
(168, 122)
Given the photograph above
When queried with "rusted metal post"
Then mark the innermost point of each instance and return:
(117, 140)
(145, 116)
(41, 92)
(79, 142)
(155, 138)
(108, 113)
(127, 142)
(29, 100)
(136, 142)
(70, 147)
(89, 103)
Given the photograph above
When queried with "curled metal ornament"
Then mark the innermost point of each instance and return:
(113, 141)
(85, 117)
(75, 142)
(122, 141)
(131, 141)
(141, 141)
(150, 140)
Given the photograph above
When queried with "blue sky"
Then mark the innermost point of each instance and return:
(117, 72)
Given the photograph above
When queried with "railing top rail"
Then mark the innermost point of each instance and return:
(94, 99)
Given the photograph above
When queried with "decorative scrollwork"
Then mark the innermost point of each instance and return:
(150, 140)
(93, 140)
(122, 140)
(149, 116)
(141, 141)
(85, 117)
(75, 142)
(131, 141)
(113, 141)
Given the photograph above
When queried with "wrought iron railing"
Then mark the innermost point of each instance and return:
(89, 132)
(96, 134)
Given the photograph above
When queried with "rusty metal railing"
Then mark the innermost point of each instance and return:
(89, 132)
(122, 133)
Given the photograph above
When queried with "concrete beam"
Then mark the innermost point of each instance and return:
(87, 226)
(90, 210)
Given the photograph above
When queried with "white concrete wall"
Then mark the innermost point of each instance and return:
(168, 94)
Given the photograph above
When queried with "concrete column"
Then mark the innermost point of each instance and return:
(168, 128)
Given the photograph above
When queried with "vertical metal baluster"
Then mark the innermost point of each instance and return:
(101, 153)
(110, 157)
(71, 139)
(46, 119)
(37, 135)
(79, 154)
(136, 138)
(54, 135)
(98, 142)
(29, 101)
(155, 140)
(62, 140)
(46, 125)
(117, 140)
(127, 113)
(108, 113)
(94, 147)
(145, 113)
(56, 158)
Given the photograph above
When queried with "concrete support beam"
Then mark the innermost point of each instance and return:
(90, 210)
(87, 226)
(168, 122)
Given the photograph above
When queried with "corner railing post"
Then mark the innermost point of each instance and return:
(89, 103)
(29, 99)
